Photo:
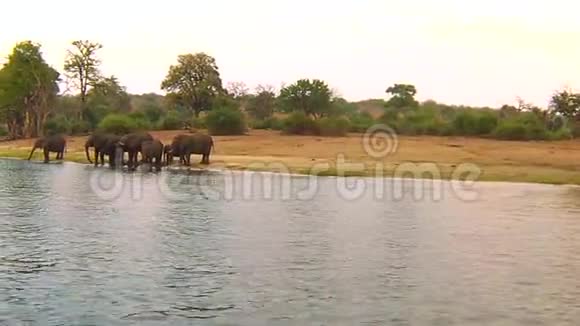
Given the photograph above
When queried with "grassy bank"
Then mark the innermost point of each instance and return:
(513, 161)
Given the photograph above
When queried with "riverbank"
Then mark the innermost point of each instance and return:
(439, 157)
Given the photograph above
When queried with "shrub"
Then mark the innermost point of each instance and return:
(143, 124)
(486, 123)
(259, 124)
(118, 124)
(526, 126)
(198, 123)
(419, 121)
(472, 122)
(464, 123)
(79, 127)
(276, 124)
(269, 123)
(141, 120)
(510, 130)
(300, 124)
(57, 125)
(561, 134)
(138, 115)
(334, 126)
(225, 121)
(361, 122)
(170, 122)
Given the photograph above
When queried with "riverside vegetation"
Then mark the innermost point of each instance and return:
(33, 103)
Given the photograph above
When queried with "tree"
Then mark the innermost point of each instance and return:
(524, 106)
(105, 97)
(194, 82)
(566, 103)
(152, 105)
(261, 106)
(403, 95)
(238, 90)
(312, 97)
(343, 107)
(82, 69)
(28, 90)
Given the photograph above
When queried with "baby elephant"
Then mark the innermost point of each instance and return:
(55, 144)
(152, 150)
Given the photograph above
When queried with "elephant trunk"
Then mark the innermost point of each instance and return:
(87, 152)
(32, 152)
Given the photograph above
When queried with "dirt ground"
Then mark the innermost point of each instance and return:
(543, 162)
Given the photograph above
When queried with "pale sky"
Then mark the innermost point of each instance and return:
(455, 51)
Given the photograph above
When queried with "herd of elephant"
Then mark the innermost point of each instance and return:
(152, 151)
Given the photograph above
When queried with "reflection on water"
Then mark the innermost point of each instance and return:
(68, 256)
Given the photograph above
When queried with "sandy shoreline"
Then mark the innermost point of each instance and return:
(415, 157)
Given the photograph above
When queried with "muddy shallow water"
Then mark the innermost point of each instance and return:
(80, 246)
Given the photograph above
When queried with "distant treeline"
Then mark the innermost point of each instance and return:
(36, 99)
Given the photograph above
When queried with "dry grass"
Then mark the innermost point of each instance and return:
(541, 162)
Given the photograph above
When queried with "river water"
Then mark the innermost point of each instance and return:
(85, 246)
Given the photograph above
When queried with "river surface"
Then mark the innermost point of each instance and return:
(85, 246)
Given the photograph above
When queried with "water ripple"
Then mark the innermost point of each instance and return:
(68, 257)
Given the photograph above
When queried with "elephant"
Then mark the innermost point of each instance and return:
(131, 144)
(195, 144)
(173, 150)
(152, 150)
(55, 143)
(110, 149)
(102, 144)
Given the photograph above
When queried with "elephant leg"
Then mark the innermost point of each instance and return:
(134, 162)
(159, 163)
(96, 157)
(102, 154)
(46, 155)
(130, 162)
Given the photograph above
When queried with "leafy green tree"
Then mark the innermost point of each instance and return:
(402, 95)
(154, 106)
(82, 69)
(261, 106)
(28, 91)
(194, 82)
(311, 97)
(107, 96)
(566, 103)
